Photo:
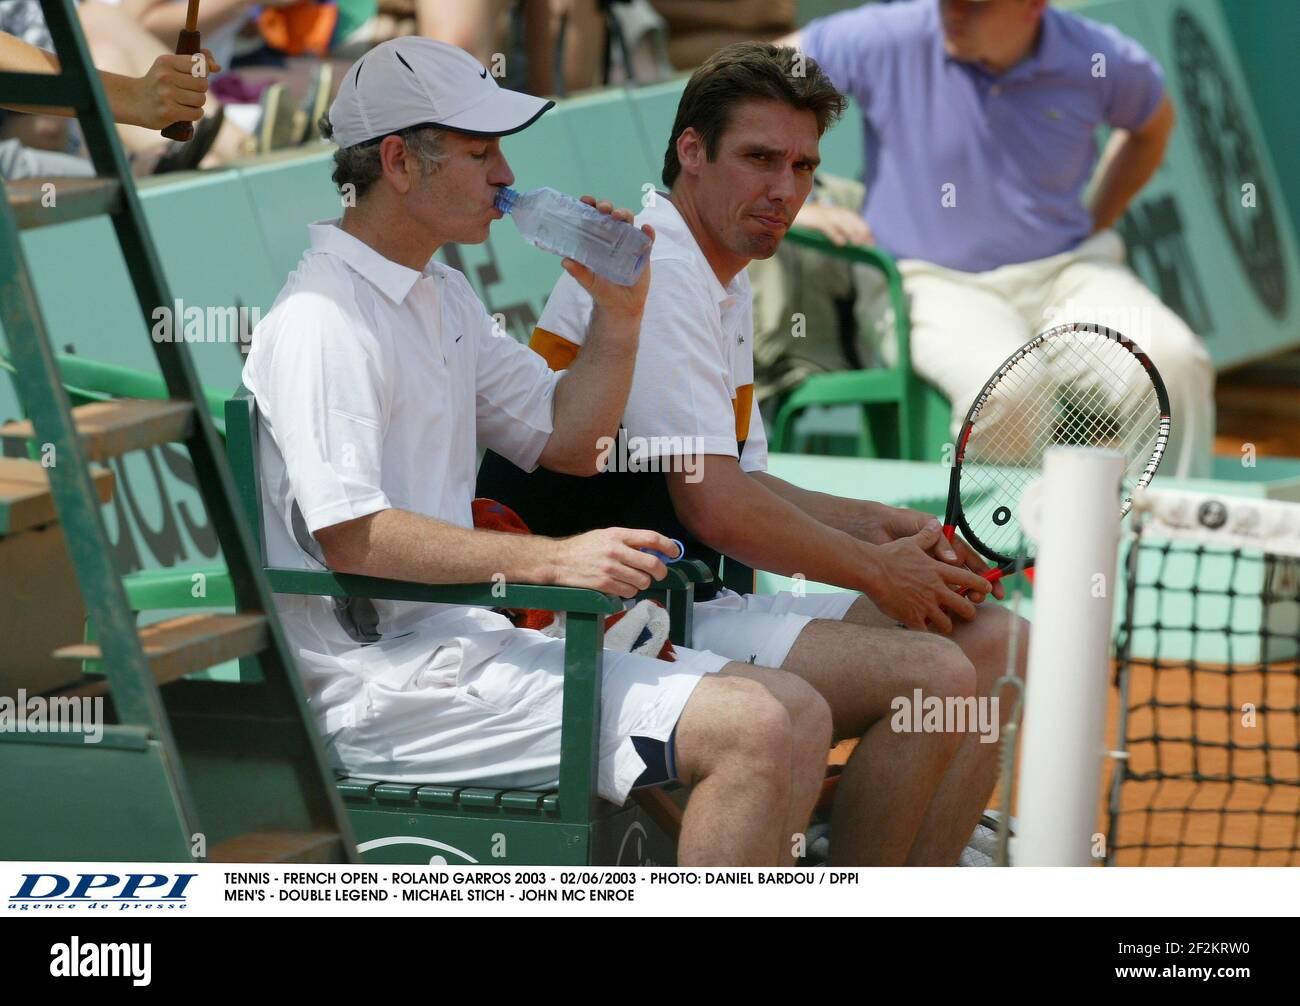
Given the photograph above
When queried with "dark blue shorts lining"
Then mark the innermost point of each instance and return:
(660, 759)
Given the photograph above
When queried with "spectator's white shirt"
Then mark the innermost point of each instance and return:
(695, 361)
(373, 382)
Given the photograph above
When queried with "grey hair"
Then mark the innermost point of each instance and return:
(360, 165)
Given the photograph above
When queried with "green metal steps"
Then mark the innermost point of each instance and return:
(26, 501)
(111, 429)
(184, 792)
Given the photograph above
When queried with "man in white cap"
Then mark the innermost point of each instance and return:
(375, 372)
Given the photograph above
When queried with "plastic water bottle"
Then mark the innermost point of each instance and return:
(558, 223)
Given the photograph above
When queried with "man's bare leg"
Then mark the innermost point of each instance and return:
(737, 745)
(887, 785)
(811, 717)
(964, 792)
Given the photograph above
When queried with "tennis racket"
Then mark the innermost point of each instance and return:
(1079, 384)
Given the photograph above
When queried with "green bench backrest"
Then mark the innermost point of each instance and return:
(245, 462)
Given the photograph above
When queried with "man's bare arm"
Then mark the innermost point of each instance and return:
(592, 394)
(591, 397)
(875, 522)
(854, 517)
(168, 93)
(402, 545)
(741, 517)
(1129, 161)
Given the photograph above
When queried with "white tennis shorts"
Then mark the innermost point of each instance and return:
(761, 628)
(485, 711)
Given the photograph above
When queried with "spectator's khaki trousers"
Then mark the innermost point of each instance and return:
(964, 325)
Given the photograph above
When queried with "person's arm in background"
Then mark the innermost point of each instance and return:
(169, 92)
(1130, 159)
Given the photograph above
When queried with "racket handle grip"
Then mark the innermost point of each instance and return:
(187, 44)
(992, 575)
(668, 560)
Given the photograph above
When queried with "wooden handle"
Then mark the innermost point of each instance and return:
(187, 44)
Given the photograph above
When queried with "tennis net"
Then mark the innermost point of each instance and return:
(1208, 725)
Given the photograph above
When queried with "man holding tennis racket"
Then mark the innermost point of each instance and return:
(738, 165)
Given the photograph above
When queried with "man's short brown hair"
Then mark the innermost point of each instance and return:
(746, 71)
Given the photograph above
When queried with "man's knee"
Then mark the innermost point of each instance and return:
(941, 668)
(991, 635)
(735, 721)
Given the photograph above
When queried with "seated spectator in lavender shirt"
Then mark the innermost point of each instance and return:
(980, 119)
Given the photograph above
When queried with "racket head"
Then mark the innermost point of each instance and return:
(1079, 383)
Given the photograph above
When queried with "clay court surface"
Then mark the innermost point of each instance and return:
(1230, 795)
(1234, 795)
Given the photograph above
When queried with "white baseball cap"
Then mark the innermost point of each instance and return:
(414, 81)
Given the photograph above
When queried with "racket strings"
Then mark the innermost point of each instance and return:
(1080, 388)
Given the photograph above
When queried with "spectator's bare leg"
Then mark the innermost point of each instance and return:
(584, 41)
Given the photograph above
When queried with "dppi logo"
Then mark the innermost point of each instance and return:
(1229, 159)
(102, 891)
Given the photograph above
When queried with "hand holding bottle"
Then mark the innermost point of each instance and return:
(604, 241)
(613, 296)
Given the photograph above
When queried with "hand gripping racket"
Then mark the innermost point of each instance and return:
(1080, 384)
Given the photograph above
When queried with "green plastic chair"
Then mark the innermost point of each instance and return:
(902, 416)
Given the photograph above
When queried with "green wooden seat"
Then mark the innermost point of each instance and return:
(902, 416)
(411, 823)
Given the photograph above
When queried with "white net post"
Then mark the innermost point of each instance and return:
(1077, 532)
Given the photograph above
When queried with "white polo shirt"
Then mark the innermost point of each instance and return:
(695, 359)
(373, 382)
